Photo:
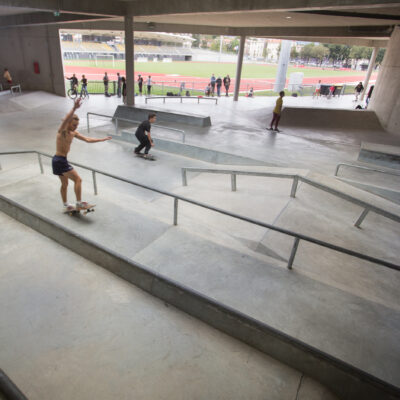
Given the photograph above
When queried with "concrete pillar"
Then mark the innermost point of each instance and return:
(371, 66)
(283, 63)
(385, 100)
(129, 62)
(239, 67)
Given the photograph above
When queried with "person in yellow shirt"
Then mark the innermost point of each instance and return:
(276, 114)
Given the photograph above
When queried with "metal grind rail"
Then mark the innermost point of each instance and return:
(182, 132)
(296, 178)
(383, 171)
(297, 236)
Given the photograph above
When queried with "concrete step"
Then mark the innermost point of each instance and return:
(259, 290)
(84, 333)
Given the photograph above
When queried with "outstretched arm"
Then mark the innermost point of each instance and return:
(91, 140)
(68, 117)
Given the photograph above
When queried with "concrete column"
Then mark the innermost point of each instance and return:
(239, 68)
(385, 100)
(371, 66)
(283, 63)
(129, 62)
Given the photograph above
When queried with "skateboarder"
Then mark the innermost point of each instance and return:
(276, 114)
(65, 135)
(143, 135)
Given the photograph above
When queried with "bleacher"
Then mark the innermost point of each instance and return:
(96, 47)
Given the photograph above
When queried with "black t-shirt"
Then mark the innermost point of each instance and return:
(105, 79)
(141, 130)
(74, 80)
(219, 82)
(140, 81)
(84, 82)
(227, 81)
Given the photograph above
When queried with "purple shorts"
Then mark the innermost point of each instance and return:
(60, 165)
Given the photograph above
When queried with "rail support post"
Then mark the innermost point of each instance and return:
(40, 163)
(361, 218)
(293, 253)
(233, 182)
(94, 182)
(294, 186)
(175, 211)
(184, 177)
(116, 126)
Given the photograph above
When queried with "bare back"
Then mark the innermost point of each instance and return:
(63, 142)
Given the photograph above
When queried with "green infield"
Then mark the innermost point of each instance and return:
(205, 69)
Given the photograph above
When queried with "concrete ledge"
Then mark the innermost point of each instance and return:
(386, 193)
(380, 154)
(196, 152)
(346, 381)
(137, 113)
(330, 118)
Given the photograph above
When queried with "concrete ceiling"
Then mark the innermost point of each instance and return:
(368, 22)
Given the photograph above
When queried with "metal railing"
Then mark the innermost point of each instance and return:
(395, 173)
(297, 236)
(182, 132)
(181, 97)
(296, 178)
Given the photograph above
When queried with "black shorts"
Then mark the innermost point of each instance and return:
(60, 165)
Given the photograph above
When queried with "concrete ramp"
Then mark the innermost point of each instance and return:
(330, 119)
(141, 113)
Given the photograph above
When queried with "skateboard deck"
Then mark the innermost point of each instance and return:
(85, 210)
(149, 157)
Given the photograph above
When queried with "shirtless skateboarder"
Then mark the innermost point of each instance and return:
(66, 133)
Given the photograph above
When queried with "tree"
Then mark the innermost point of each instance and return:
(379, 57)
(293, 53)
(319, 52)
(196, 42)
(306, 51)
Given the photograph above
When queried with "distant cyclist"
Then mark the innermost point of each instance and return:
(74, 83)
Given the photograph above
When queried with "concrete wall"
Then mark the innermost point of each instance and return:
(21, 47)
(385, 99)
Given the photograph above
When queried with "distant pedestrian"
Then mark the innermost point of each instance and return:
(105, 81)
(276, 114)
(317, 91)
(181, 88)
(358, 89)
(331, 91)
(212, 83)
(149, 84)
(7, 76)
(207, 90)
(251, 92)
(123, 81)
(140, 84)
(84, 86)
(371, 89)
(119, 84)
(219, 84)
(227, 83)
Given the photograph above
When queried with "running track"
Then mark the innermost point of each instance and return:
(192, 82)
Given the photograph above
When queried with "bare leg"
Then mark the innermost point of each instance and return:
(73, 175)
(64, 187)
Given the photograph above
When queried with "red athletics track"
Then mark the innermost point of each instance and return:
(192, 82)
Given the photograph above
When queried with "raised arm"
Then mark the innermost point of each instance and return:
(91, 140)
(68, 117)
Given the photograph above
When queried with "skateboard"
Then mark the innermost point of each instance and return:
(149, 156)
(85, 210)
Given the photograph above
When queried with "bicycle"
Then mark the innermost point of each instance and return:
(72, 93)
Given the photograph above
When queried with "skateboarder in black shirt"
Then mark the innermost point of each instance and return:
(143, 135)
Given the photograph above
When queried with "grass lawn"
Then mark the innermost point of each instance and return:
(205, 69)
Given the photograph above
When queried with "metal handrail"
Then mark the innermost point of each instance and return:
(297, 236)
(367, 168)
(296, 178)
(182, 132)
(181, 97)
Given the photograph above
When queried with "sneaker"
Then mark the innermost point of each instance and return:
(269, 129)
(68, 207)
(137, 152)
(276, 130)
(81, 204)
